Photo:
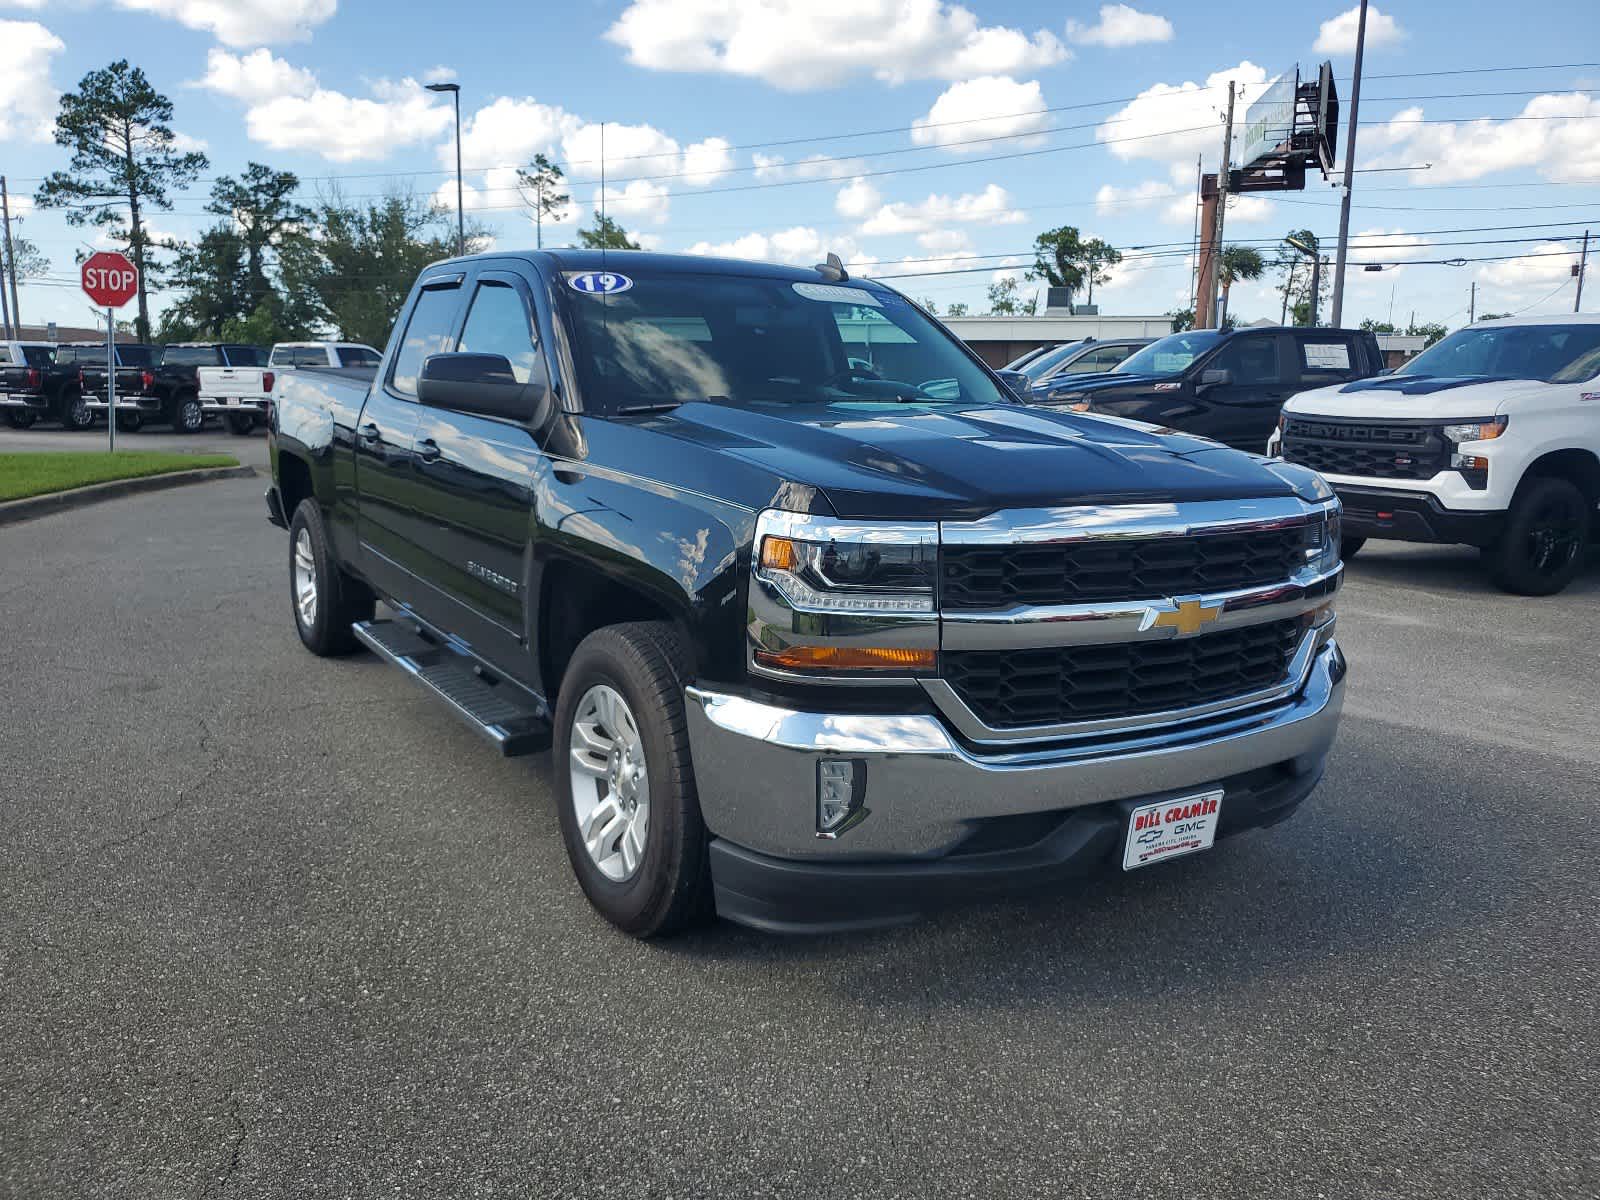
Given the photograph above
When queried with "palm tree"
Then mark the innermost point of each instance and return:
(1236, 263)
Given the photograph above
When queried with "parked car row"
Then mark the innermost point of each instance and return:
(179, 384)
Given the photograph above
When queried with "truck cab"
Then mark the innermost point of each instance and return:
(822, 626)
(1228, 385)
(1489, 438)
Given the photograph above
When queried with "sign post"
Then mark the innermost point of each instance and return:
(110, 281)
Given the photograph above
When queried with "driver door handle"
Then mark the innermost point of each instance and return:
(428, 450)
(370, 433)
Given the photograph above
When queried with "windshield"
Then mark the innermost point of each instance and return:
(670, 338)
(1171, 355)
(1550, 353)
(1051, 359)
(136, 356)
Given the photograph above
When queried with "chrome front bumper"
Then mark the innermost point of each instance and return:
(925, 791)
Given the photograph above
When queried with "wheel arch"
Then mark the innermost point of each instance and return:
(1578, 466)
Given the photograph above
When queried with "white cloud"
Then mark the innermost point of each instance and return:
(1006, 107)
(813, 166)
(1338, 34)
(800, 44)
(255, 77)
(242, 22)
(706, 162)
(801, 245)
(27, 101)
(183, 143)
(919, 265)
(1121, 25)
(992, 206)
(439, 74)
(944, 241)
(637, 200)
(768, 166)
(1242, 210)
(345, 128)
(856, 199)
(1109, 199)
(1175, 122)
(1559, 142)
(1529, 277)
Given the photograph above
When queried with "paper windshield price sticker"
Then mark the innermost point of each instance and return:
(1170, 828)
(1327, 356)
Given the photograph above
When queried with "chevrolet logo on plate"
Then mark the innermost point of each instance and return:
(1185, 617)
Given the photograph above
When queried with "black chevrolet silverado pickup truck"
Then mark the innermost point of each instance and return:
(825, 626)
(56, 389)
(169, 388)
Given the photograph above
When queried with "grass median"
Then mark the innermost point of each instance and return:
(38, 473)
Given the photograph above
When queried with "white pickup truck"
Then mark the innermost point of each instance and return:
(1491, 438)
(243, 395)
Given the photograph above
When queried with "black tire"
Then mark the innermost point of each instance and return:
(75, 413)
(130, 422)
(1350, 547)
(187, 416)
(20, 418)
(671, 888)
(241, 424)
(1540, 550)
(341, 599)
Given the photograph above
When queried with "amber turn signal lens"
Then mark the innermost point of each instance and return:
(778, 554)
(846, 658)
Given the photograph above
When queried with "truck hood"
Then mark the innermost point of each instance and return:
(1097, 381)
(1440, 397)
(951, 461)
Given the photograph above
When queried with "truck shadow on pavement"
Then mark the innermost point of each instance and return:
(1454, 570)
(1358, 878)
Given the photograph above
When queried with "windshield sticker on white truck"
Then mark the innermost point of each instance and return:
(836, 295)
(1327, 356)
(599, 283)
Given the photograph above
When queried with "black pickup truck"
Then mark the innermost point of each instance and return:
(58, 390)
(826, 627)
(1224, 384)
(168, 389)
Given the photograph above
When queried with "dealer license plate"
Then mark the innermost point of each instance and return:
(1171, 828)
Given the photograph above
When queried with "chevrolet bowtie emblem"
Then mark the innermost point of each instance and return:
(1188, 617)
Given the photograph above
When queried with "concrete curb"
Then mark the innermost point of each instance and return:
(29, 507)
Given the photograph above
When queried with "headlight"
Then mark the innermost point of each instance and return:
(1475, 431)
(1322, 541)
(837, 598)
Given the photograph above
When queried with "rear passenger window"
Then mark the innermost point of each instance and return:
(427, 332)
(358, 356)
(1330, 357)
(1252, 360)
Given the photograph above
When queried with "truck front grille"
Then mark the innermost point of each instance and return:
(991, 577)
(1373, 450)
(1011, 689)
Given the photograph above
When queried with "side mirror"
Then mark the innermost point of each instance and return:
(484, 385)
(1021, 386)
(1216, 377)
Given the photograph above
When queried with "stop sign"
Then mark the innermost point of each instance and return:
(109, 279)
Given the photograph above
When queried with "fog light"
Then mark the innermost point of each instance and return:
(841, 787)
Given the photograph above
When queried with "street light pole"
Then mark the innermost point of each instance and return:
(1349, 171)
(461, 218)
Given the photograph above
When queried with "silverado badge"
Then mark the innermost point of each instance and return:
(1185, 617)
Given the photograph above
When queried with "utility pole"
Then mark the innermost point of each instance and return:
(1205, 316)
(1583, 264)
(1194, 249)
(1316, 287)
(1472, 304)
(11, 257)
(5, 306)
(1349, 171)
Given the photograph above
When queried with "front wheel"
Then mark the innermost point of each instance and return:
(20, 418)
(1540, 550)
(187, 415)
(326, 600)
(625, 793)
(1350, 547)
(241, 424)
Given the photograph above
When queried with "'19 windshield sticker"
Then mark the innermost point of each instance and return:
(599, 283)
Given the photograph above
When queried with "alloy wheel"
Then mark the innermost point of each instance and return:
(305, 580)
(610, 782)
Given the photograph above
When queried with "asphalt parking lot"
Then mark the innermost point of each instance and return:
(276, 926)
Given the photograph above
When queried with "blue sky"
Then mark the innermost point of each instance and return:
(724, 121)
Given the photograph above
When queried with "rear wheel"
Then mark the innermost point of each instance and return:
(241, 424)
(76, 413)
(326, 600)
(1540, 550)
(20, 418)
(1350, 547)
(625, 794)
(187, 415)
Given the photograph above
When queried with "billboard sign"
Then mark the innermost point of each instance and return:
(1269, 122)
